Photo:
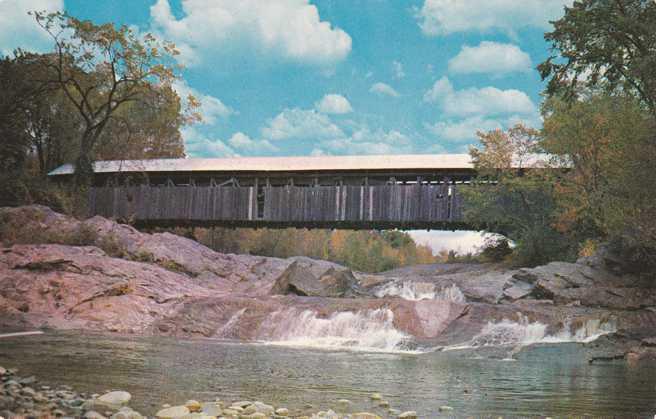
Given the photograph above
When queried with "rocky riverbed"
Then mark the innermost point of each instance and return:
(58, 272)
(25, 397)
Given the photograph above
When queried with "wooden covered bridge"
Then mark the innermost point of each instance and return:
(355, 192)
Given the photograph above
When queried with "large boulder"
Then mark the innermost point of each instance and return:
(37, 224)
(575, 283)
(301, 279)
(81, 287)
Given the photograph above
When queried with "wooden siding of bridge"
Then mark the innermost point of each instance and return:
(292, 205)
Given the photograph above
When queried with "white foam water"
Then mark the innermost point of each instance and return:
(366, 330)
(415, 291)
(525, 332)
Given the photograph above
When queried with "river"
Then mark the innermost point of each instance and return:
(544, 379)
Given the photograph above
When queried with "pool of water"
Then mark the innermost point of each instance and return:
(548, 380)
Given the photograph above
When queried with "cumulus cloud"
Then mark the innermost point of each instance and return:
(443, 17)
(290, 30)
(463, 130)
(243, 142)
(333, 104)
(199, 145)
(490, 57)
(18, 29)
(397, 68)
(366, 141)
(474, 101)
(301, 124)
(211, 108)
(383, 89)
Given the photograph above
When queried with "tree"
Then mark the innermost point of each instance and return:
(146, 129)
(100, 69)
(18, 94)
(513, 196)
(607, 43)
(608, 194)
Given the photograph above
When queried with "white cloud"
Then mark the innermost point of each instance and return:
(18, 29)
(490, 57)
(321, 135)
(397, 68)
(365, 141)
(301, 124)
(318, 152)
(243, 142)
(291, 30)
(474, 101)
(333, 104)
(211, 108)
(383, 90)
(199, 145)
(463, 130)
(443, 17)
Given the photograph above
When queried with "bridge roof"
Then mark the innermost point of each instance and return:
(285, 164)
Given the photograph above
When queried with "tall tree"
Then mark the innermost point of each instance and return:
(513, 196)
(146, 129)
(100, 69)
(608, 193)
(607, 43)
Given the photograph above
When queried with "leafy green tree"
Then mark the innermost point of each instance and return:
(513, 196)
(607, 195)
(146, 129)
(100, 69)
(611, 44)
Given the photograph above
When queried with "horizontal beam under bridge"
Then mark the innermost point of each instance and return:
(327, 225)
(405, 206)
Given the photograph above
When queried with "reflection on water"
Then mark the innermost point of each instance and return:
(546, 380)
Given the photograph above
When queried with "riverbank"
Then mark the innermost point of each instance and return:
(25, 397)
(60, 273)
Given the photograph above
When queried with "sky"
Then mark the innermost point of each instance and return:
(334, 77)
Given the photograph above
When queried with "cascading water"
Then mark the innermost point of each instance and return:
(366, 330)
(415, 291)
(525, 332)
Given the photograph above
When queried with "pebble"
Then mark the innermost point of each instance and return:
(92, 414)
(410, 414)
(3, 371)
(445, 408)
(115, 398)
(193, 406)
(173, 412)
(267, 409)
(365, 415)
(282, 411)
(376, 396)
(211, 409)
(383, 403)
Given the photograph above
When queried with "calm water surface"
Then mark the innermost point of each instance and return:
(549, 380)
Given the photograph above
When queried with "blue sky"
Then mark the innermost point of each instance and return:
(300, 77)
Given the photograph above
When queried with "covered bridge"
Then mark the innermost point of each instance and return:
(404, 191)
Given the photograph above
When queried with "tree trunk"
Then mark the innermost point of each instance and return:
(83, 164)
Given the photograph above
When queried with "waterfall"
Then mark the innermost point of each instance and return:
(415, 291)
(227, 330)
(525, 332)
(365, 330)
